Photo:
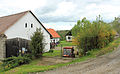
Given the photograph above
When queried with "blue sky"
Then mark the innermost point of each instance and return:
(63, 14)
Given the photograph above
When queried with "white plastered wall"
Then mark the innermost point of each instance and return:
(19, 30)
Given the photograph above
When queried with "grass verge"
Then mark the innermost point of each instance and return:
(54, 54)
(109, 48)
(33, 67)
(65, 43)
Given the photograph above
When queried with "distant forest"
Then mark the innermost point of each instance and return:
(62, 33)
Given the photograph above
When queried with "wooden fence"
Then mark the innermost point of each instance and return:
(16, 46)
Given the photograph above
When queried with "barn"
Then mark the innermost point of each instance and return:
(69, 36)
(23, 25)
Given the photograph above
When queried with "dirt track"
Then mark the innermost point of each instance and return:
(107, 64)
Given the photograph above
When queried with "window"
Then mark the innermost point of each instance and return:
(69, 38)
(25, 25)
(31, 25)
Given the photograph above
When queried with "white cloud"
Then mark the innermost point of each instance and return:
(24, 4)
(59, 25)
(63, 10)
(107, 11)
(14, 6)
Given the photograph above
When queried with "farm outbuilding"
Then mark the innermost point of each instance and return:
(69, 36)
(55, 38)
(23, 25)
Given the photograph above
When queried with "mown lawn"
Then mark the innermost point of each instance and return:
(55, 53)
(33, 67)
(65, 43)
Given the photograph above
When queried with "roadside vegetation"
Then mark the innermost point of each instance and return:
(109, 48)
(92, 35)
(116, 24)
(0, 66)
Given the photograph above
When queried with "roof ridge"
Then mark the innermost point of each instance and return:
(13, 18)
(16, 13)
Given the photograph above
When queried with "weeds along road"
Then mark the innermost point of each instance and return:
(106, 64)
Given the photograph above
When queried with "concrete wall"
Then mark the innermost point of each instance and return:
(3, 38)
(18, 30)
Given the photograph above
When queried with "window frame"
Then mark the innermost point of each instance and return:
(25, 25)
(69, 38)
(32, 25)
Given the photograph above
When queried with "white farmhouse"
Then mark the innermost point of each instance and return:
(55, 36)
(23, 25)
(69, 36)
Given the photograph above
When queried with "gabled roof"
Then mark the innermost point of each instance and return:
(8, 21)
(69, 33)
(53, 33)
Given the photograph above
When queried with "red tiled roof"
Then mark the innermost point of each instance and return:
(8, 21)
(53, 33)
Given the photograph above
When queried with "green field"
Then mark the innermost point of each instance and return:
(34, 67)
(65, 43)
(55, 53)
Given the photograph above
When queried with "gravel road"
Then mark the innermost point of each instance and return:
(106, 64)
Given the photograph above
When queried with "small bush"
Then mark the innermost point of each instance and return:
(13, 62)
(28, 55)
(51, 51)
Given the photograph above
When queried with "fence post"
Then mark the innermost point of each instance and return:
(3, 39)
(61, 50)
(20, 51)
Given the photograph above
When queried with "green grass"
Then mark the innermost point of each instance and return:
(109, 48)
(65, 43)
(1, 66)
(0, 63)
(55, 53)
(33, 67)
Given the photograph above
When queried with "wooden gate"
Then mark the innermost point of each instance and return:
(15, 46)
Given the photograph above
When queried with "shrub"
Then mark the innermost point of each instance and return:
(13, 61)
(92, 35)
(36, 44)
(28, 55)
(51, 51)
(116, 24)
